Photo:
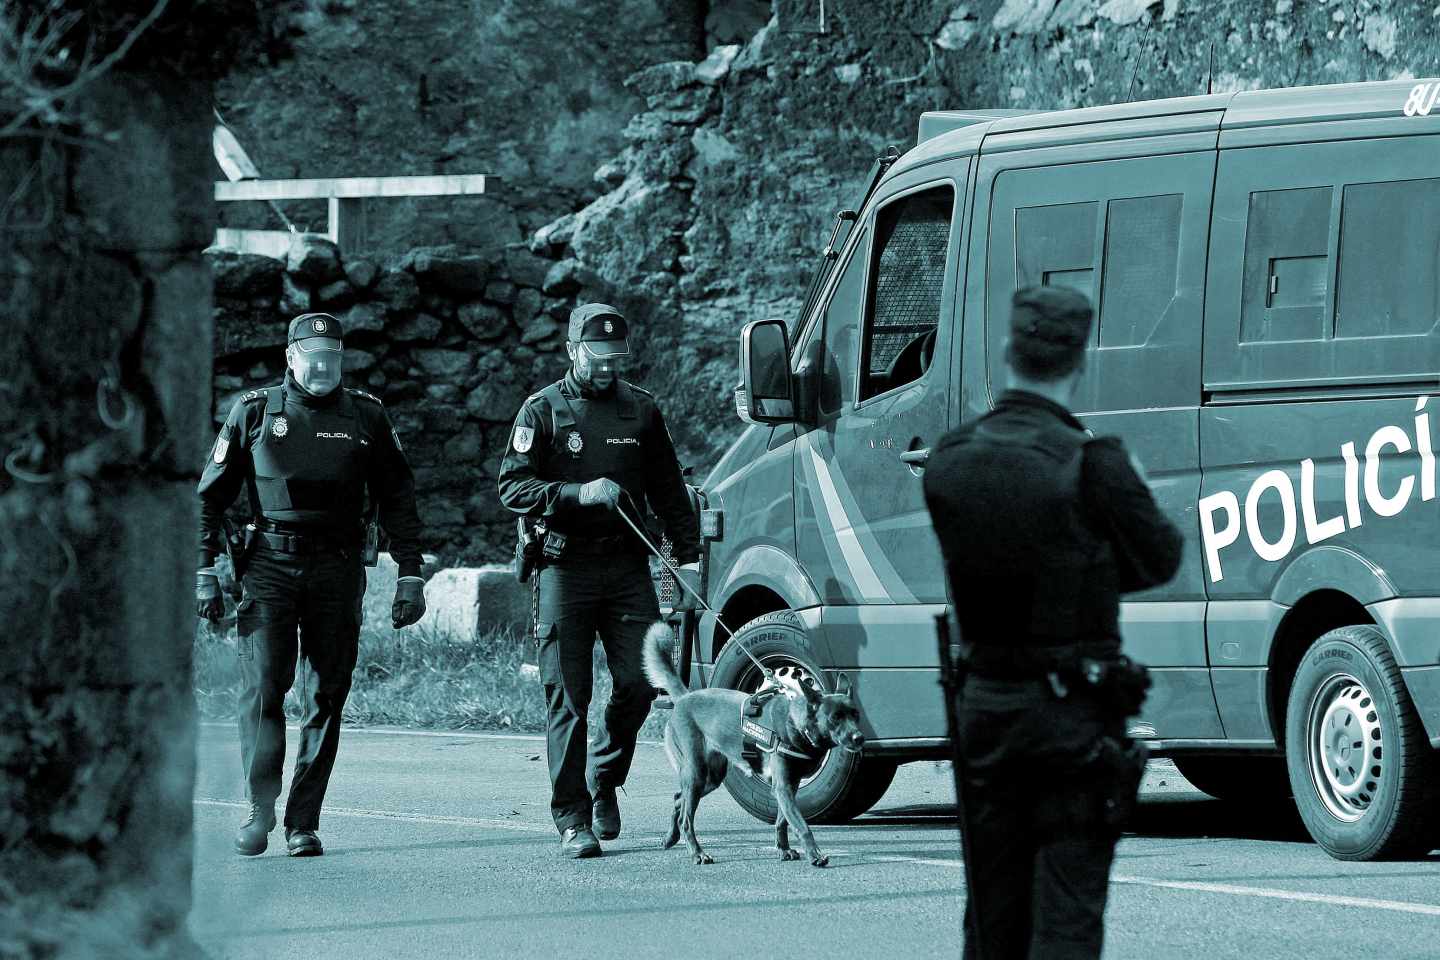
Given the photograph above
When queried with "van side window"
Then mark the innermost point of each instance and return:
(912, 239)
(1130, 235)
(1142, 257)
(1055, 246)
(1287, 265)
(1324, 266)
(842, 334)
(1389, 259)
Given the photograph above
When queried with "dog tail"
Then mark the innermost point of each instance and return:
(658, 670)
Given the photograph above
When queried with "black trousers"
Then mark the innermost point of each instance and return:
(307, 604)
(577, 598)
(1038, 847)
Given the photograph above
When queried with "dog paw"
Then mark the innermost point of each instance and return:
(789, 854)
(703, 858)
(820, 861)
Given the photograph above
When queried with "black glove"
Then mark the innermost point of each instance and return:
(209, 605)
(602, 492)
(409, 605)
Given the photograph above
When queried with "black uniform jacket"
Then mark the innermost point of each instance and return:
(308, 462)
(1043, 527)
(619, 434)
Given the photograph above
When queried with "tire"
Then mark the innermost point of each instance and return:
(837, 788)
(1247, 779)
(1349, 702)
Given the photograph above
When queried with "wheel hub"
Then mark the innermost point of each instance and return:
(1346, 747)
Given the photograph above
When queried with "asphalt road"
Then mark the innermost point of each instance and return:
(440, 845)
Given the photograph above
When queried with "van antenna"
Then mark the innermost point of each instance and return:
(1210, 69)
(1149, 46)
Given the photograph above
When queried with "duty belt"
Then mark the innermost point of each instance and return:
(1031, 662)
(577, 545)
(303, 542)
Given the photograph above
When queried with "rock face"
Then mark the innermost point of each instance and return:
(689, 176)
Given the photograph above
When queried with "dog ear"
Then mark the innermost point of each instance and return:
(813, 693)
(843, 685)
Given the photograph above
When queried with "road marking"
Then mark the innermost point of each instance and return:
(406, 817)
(1200, 886)
(1331, 900)
(396, 732)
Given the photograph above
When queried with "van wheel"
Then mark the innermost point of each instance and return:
(1364, 776)
(1250, 779)
(838, 787)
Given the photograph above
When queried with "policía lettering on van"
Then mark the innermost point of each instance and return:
(1273, 545)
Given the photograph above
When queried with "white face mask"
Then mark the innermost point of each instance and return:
(316, 364)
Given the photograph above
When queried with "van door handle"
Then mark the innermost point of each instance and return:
(915, 460)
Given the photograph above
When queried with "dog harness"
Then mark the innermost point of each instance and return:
(764, 738)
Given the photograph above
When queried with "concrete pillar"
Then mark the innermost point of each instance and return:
(105, 312)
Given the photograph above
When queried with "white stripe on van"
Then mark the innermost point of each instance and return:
(862, 573)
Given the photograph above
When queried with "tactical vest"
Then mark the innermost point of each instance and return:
(592, 439)
(311, 463)
(1075, 572)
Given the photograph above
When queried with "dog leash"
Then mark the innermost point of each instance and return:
(769, 675)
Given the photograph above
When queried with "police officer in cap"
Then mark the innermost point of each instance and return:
(308, 453)
(583, 450)
(1042, 527)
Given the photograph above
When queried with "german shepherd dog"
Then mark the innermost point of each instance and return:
(705, 734)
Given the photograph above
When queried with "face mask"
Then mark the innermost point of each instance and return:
(598, 371)
(316, 363)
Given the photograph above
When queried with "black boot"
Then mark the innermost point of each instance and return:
(577, 843)
(254, 835)
(303, 843)
(605, 813)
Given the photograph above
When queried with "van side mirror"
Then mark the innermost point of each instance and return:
(766, 392)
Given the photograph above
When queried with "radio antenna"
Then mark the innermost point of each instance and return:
(1210, 69)
(1149, 47)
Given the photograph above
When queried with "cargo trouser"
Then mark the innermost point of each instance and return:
(576, 598)
(1035, 827)
(319, 594)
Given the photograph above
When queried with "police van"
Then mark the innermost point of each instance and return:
(1265, 268)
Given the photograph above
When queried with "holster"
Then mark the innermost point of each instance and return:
(529, 546)
(1119, 682)
(240, 545)
(1120, 763)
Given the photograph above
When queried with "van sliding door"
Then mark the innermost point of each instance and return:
(1322, 342)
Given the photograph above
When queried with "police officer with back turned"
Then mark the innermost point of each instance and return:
(309, 453)
(1042, 527)
(583, 450)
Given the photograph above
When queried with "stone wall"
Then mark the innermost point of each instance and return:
(452, 340)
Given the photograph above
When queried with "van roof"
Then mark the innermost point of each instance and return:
(946, 133)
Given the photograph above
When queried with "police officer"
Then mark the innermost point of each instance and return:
(582, 450)
(1042, 528)
(308, 453)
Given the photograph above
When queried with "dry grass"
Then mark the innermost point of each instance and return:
(416, 677)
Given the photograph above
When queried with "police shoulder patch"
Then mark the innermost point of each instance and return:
(524, 439)
(222, 446)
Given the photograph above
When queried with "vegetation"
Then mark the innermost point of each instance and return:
(416, 677)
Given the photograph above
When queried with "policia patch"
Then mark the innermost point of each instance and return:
(524, 437)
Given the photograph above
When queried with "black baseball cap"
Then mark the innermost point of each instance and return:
(309, 325)
(601, 327)
(1053, 315)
